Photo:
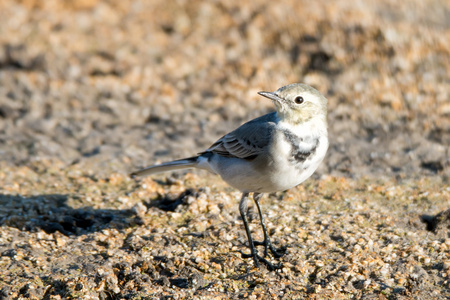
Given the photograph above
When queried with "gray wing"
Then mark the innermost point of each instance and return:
(247, 141)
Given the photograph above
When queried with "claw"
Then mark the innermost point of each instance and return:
(277, 253)
(257, 259)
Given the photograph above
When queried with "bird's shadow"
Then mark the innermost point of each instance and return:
(51, 213)
(172, 202)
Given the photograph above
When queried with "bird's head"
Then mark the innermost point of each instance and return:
(298, 103)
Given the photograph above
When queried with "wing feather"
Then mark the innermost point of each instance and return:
(247, 141)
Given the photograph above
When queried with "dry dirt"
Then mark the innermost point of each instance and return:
(91, 90)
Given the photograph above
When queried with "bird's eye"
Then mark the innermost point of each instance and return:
(299, 100)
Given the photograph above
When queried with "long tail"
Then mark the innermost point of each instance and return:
(180, 164)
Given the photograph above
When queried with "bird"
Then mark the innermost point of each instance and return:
(272, 153)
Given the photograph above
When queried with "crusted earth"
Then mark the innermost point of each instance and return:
(92, 90)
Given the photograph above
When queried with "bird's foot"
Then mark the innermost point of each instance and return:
(277, 253)
(257, 259)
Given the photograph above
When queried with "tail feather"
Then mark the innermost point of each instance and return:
(180, 164)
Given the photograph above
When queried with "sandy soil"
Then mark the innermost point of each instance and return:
(91, 90)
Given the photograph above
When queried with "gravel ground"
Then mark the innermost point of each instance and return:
(91, 90)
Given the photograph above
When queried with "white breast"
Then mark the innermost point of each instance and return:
(286, 172)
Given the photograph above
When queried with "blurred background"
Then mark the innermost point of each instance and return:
(116, 85)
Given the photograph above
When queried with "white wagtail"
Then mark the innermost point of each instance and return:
(274, 152)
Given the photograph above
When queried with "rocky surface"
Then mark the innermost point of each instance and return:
(91, 90)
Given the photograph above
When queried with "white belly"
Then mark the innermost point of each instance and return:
(270, 174)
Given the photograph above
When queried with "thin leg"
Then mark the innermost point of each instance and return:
(267, 243)
(243, 207)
